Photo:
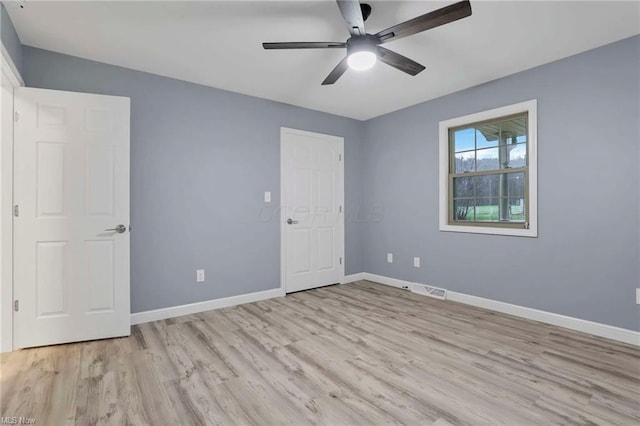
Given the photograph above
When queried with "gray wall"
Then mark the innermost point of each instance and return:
(10, 38)
(585, 262)
(201, 159)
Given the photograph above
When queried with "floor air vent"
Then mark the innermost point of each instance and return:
(427, 290)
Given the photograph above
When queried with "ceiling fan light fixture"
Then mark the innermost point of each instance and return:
(362, 60)
(361, 52)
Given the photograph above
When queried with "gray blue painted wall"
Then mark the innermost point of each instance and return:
(10, 38)
(201, 159)
(585, 262)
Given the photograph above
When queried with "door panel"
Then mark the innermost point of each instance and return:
(50, 178)
(312, 196)
(71, 273)
(100, 277)
(100, 164)
(325, 246)
(52, 276)
(300, 258)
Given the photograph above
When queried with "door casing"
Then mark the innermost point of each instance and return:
(10, 75)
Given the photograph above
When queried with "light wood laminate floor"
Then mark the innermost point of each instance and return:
(355, 354)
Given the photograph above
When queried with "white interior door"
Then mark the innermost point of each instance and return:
(71, 186)
(312, 218)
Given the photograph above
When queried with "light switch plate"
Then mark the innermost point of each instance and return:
(267, 196)
(638, 296)
(390, 257)
(416, 262)
(200, 275)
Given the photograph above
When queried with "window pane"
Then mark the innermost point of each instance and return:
(463, 210)
(465, 162)
(488, 159)
(514, 129)
(517, 155)
(487, 210)
(487, 185)
(464, 140)
(515, 185)
(517, 209)
(463, 187)
(486, 137)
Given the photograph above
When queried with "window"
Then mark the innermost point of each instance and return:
(488, 172)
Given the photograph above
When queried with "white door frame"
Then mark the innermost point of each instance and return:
(10, 72)
(283, 205)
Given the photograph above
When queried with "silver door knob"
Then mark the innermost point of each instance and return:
(119, 229)
(291, 221)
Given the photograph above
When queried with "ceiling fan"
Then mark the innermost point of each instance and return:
(364, 49)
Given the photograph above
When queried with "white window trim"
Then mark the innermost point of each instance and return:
(530, 107)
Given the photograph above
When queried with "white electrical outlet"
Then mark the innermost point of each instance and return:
(200, 275)
(390, 257)
(638, 296)
(416, 262)
(267, 197)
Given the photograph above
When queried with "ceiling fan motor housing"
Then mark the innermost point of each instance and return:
(362, 43)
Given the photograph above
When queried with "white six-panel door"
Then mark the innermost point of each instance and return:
(71, 185)
(312, 199)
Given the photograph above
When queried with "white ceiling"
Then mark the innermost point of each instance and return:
(219, 44)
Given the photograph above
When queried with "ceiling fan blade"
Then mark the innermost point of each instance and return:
(336, 73)
(427, 21)
(305, 45)
(352, 14)
(398, 61)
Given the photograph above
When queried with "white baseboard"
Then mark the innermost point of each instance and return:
(194, 308)
(352, 278)
(603, 330)
(595, 328)
(393, 282)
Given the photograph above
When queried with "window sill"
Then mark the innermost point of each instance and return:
(532, 232)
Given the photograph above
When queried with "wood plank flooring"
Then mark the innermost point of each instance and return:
(355, 354)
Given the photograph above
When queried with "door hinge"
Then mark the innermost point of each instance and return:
(16, 305)
(341, 261)
(339, 157)
(340, 209)
(16, 210)
(16, 116)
